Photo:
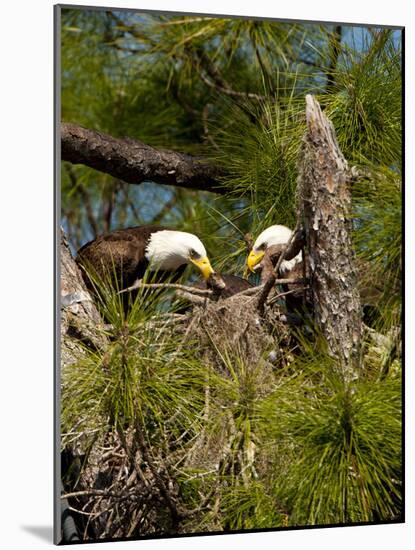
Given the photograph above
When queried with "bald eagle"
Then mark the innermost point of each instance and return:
(266, 241)
(273, 235)
(126, 254)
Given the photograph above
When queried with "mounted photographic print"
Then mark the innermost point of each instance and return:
(229, 274)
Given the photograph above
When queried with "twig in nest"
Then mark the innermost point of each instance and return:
(256, 289)
(158, 477)
(155, 286)
(250, 291)
(197, 300)
(266, 289)
(89, 514)
(92, 492)
(188, 513)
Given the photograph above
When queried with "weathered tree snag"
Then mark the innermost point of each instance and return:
(79, 316)
(134, 162)
(324, 201)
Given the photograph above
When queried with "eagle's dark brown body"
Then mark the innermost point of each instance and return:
(118, 257)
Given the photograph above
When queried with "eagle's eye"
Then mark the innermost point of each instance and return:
(262, 247)
(194, 255)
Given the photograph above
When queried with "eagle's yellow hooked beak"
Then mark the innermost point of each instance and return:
(254, 259)
(204, 265)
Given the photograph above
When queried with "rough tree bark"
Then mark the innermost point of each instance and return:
(324, 202)
(134, 162)
(79, 316)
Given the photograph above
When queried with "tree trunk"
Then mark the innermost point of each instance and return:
(324, 202)
(80, 318)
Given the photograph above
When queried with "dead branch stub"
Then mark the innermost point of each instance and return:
(324, 203)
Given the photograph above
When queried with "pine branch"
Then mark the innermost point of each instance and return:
(134, 162)
(216, 81)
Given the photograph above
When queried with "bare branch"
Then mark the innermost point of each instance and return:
(134, 162)
(211, 76)
(229, 91)
(157, 286)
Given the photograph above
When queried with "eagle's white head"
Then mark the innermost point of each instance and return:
(275, 234)
(168, 250)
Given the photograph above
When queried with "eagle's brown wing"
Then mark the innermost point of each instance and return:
(117, 257)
